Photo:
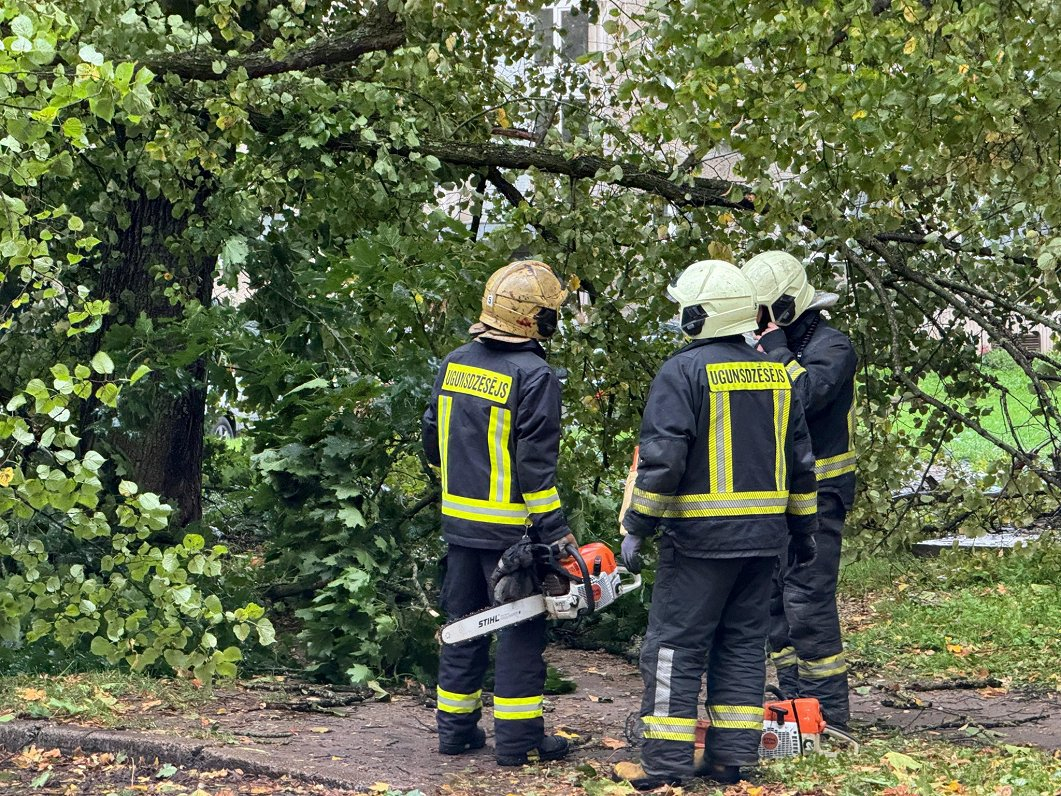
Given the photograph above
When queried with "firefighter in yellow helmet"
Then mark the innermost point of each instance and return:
(726, 473)
(493, 427)
(805, 642)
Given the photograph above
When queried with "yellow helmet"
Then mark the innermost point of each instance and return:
(715, 300)
(522, 300)
(781, 284)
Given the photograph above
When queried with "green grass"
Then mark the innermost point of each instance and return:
(106, 699)
(963, 614)
(909, 767)
(969, 446)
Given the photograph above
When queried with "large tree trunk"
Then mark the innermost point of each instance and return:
(165, 453)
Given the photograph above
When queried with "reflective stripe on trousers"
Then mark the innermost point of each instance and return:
(823, 667)
(451, 702)
(736, 717)
(515, 708)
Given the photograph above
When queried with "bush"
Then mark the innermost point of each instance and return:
(80, 574)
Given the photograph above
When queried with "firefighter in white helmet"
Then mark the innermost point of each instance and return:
(805, 642)
(726, 473)
(493, 427)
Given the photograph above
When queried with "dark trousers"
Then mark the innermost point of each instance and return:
(519, 670)
(708, 614)
(805, 642)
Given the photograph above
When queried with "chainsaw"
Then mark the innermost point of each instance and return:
(791, 728)
(586, 580)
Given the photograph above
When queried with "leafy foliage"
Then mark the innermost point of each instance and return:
(346, 170)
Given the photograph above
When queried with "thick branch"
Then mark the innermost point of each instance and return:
(701, 192)
(383, 32)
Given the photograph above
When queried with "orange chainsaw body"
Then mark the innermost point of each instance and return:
(791, 727)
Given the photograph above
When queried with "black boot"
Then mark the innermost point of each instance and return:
(474, 740)
(552, 747)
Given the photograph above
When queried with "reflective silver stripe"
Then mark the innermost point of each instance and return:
(784, 657)
(451, 702)
(835, 465)
(669, 728)
(803, 504)
(517, 708)
(736, 717)
(541, 502)
(795, 370)
(717, 450)
(664, 671)
(651, 503)
(497, 425)
(823, 667)
(732, 503)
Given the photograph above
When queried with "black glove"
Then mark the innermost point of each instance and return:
(630, 552)
(802, 550)
(516, 575)
(774, 340)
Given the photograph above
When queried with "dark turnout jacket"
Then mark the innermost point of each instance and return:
(725, 463)
(821, 361)
(493, 427)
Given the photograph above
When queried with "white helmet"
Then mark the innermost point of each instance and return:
(715, 300)
(781, 284)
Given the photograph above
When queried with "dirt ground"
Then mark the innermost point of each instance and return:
(368, 744)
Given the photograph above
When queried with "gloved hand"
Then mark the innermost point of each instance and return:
(516, 575)
(630, 552)
(772, 338)
(803, 550)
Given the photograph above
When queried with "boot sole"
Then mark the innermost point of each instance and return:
(523, 760)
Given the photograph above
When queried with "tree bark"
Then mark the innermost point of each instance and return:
(165, 455)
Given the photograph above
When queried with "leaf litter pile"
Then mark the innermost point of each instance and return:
(47, 771)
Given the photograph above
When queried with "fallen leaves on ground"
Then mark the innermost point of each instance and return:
(33, 768)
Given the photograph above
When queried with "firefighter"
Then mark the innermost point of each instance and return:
(493, 427)
(725, 471)
(805, 642)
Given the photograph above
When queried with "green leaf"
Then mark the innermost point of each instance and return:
(90, 54)
(139, 373)
(166, 771)
(234, 252)
(102, 363)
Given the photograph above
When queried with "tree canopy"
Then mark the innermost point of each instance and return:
(355, 170)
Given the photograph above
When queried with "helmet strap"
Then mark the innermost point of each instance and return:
(783, 311)
(547, 320)
(693, 318)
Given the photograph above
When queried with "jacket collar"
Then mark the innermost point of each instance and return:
(525, 345)
(732, 338)
(794, 331)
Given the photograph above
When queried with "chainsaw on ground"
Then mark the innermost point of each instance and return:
(791, 728)
(577, 582)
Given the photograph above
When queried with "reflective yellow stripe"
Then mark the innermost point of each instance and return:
(500, 461)
(821, 668)
(720, 444)
(782, 408)
(652, 504)
(669, 728)
(515, 708)
(784, 657)
(835, 465)
(452, 702)
(803, 504)
(728, 504)
(542, 502)
(794, 370)
(445, 405)
(493, 511)
(736, 717)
